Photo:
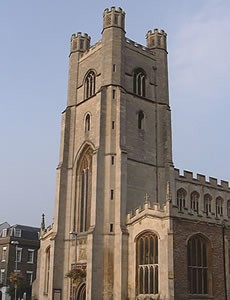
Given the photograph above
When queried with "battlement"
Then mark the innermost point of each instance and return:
(79, 42)
(91, 49)
(136, 45)
(201, 179)
(148, 208)
(156, 39)
(114, 17)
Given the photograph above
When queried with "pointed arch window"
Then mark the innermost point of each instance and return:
(219, 207)
(87, 122)
(195, 202)
(147, 264)
(207, 204)
(141, 118)
(83, 194)
(181, 195)
(199, 266)
(139, 82)
(89, 84)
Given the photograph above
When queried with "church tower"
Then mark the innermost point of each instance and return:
(115, 156)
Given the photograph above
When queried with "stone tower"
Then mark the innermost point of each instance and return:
(115, 155)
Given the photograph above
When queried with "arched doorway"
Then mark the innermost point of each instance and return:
(81, 292)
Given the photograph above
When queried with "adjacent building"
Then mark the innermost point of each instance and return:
(18, 253)
(128, 225)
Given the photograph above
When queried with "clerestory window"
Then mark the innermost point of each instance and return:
(207, 204)
(219, 207)
(89, 85)
(181, 194)
(195, 201)
(139, 82)
(147, 264)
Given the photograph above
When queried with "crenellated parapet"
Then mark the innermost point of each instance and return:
(201, 179)
(149, 209)
(197, 198)
(156, 39)
(114, 17)
(79, 42)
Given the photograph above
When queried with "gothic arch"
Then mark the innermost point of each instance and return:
(89, 83)
(81, 292)
(139, 82)
(147, 270)
(199, 264)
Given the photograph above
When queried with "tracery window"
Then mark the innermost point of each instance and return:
(140, 120)
(207, 204)
(199, 279)
(181, 194)
(139, 82)
(83, 194)
(147, 264)
(89, 85)
(228, 208)
(195, 201)
(219, 206)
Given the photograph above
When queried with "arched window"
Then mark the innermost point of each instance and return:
(87, 122)
(139, 82)
(147, 264)
(228, 208)
(181, 194)
(207, 204)
(199, 269)
(81, 292)
(83, 195)
(90, 84)
(141, 118)
(47, 270)
(195, 201)
(219, 207)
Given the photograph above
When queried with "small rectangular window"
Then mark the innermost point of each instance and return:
(17, 232)
(29, 277)
(30, 258)
(114, 68)
(4, 251)
(4, 232)
(113, 124)
(2, 276)
(19, 255)
(112, 160)
(114, 94)
(111, 227)
(111, 194)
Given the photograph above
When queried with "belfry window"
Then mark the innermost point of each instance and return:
(207, 204)
(89, 85)
(140, 120)
(181, 194)
(195, 201)
(199, 278)
(139, 82)
(219, 207)
(147, 264)
(83, 195)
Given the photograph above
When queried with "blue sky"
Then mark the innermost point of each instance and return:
(34, 52)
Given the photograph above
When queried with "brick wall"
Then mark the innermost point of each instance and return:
(183, 229)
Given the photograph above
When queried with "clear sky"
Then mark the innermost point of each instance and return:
(34, 52)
